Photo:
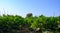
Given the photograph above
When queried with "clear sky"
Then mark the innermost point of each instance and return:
(36, 7)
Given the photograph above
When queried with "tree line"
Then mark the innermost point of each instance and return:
(11, 23)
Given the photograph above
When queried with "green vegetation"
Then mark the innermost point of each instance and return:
(18, 24)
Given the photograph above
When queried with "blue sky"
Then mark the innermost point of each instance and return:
(36, 7)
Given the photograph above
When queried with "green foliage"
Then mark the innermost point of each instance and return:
(10, 22)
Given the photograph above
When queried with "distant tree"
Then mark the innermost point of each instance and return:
(29, 15)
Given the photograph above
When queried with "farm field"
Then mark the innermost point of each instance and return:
(29, 24)
(29, 16)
